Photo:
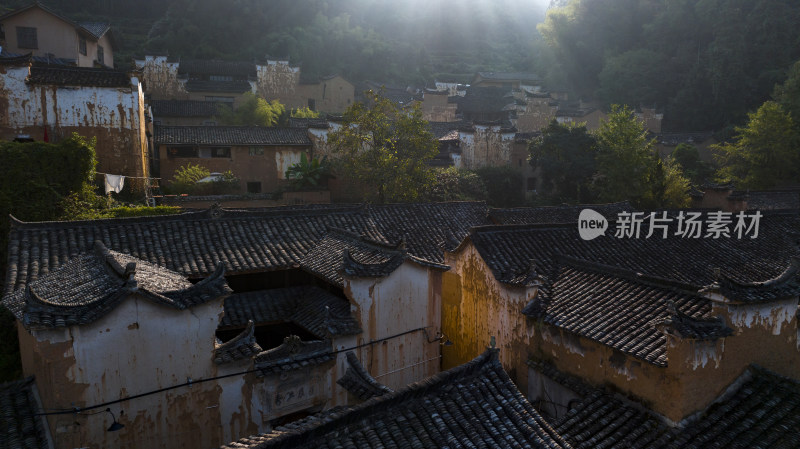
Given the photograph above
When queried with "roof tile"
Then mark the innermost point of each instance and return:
(230, 135)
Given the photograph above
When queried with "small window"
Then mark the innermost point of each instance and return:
(520, 162)
(253, 187)
(312, 104)
(26, 37)
(182, 152)
(82, 45)
(221, 152)
(256, 151)
(100, 55)
(220, 78)
(209, 123)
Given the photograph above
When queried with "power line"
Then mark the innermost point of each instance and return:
(241, 373)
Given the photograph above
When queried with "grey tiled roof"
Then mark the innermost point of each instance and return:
(442, 129)
(554, 214)
(484, 100)
(614, 307)
(510, 250)
(194, 67)
(343, 252)
(785, 286)
(604, 420)
(473, 405)
(358, 381)
(193, 243)
(229, 135)
(294, 354)
(8, 58)
(57, 75)
(240, 347)
(183, 108)
(90, 285)
(19, 428)
(773, 200)
(233, 87)
(761, 412)
(96, 29)
(312, 308)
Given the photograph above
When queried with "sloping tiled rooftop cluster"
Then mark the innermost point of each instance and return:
(473, 405)
(244, 242)
(509, 250)
(342, 252)
(89, 286)
(312, 308)
(760, 411)
(555, 214)
(614, 307)
(19, 427)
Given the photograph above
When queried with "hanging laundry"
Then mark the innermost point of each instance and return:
(114, 183)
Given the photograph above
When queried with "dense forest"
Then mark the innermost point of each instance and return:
(704, 63)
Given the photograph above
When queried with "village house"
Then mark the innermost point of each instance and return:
(42, 32)
(254, 320)
(257, 156)
(326, 306)
(226, 82)
(48, 102)
(508, 80)
(648, 316)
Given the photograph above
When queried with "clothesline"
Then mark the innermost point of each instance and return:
(131, 177)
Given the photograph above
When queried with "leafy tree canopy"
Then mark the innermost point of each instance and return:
(566, 155)
(629, 169)
(309, 174)
(764, 153)
(385, 149)
(253, 111)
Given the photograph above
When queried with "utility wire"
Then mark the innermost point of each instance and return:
(241, 373)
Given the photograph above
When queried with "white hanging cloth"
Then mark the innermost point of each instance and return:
(114, 183)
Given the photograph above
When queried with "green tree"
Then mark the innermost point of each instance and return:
(688, 158)
(452, 184)
(504, 185)
(253, 111)
(624, 157)
(385, 149)
(309, 174)
(787, 94)
(764, 153)
(305, 112)
(566, 156)
(667, 187)
(629, 169)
